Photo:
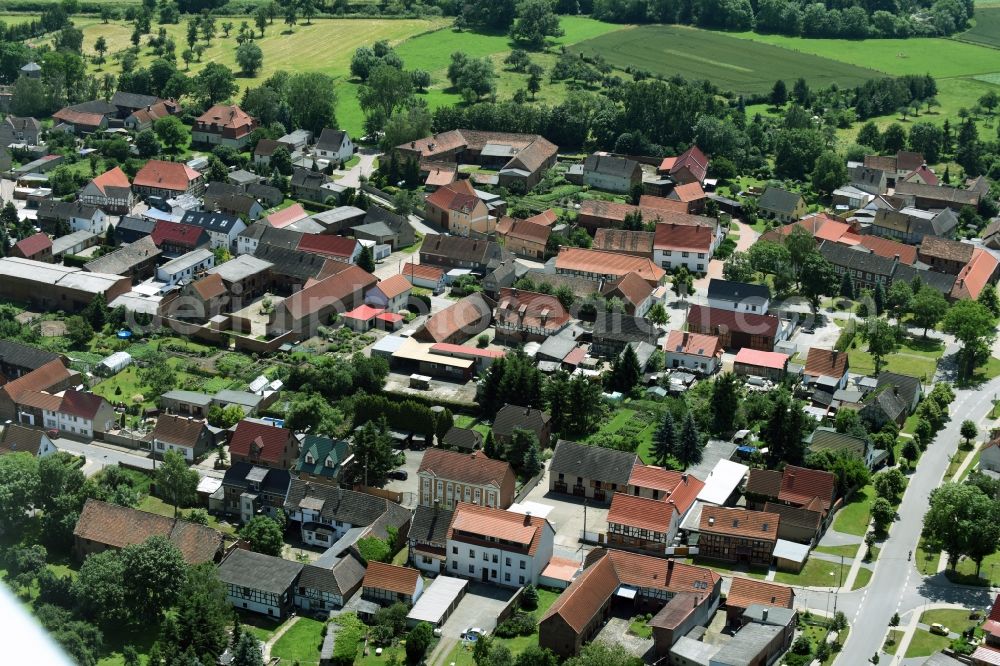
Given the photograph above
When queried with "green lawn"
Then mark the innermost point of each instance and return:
(892, 641)
(261, 627)
(639, 627)
(156, 505)
(853, 518)
(990, 569)
(927, 561)
(906, 360)
(816, 573)
(728, 568)
(847, 551)
(301, 643)
(956, 619)
(471, 423)
(863, 578)
(986, 30)
(924, 643)
(394, 654)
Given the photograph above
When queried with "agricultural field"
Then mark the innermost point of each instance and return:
(741, 66)
(986, 31)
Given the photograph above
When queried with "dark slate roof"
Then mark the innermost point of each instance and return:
(775, 198)
(262, 191)
(622, 327)
(211, 221)
(592, 462)
(137, 224)
(275, 482)
(244, 568)
(23, 356)
(941, 282)
(430, 525)
(331, 139)
(347, 506)
(828, 439)
(133, 100)
(456, 248)
(512, 417)
(52, 209)
(301, 265)
(909, 387)
(285, 238)
(98, 106)
(728, 290)
(861, 260)
(463, 438)
(610, 165)
(376, 213)
(307, 178)
(344, 577)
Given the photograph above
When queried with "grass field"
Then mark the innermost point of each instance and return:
(863, 578)
(924, 644)
(300, 644)
(746, 67)
(853, 517)
(987, 28)
(956, 619)
(816, 573)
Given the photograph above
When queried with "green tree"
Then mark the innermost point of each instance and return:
(312, 411)
(818, 279)
(626, 373)
(988, 297)
(99, 587)
(726, 396)
(155, 573)
(536, 20)
(829, 173)
(955, 510)
(101, 46)
(215, 83)
(974, 326)
(373, 549)
(600, 653)
(387, 89)
(171, 131)
(689, 444)
(158, 375)
(664, 439)
(899, 300)
(890, 484)
(175, 481)
(682, 282)
(366, 261)
(417, 642)
(969, 431)
(870, 136)
(312, 101)
(929, 307)
(247, 651)
(19, 484)
(250, 58)
(147, 144)
(658, 314)
(373, 454)
(847, 286)
(881, 341)
(79, 332)
(264, 535)
(779, 93)
(203, 612)
(882, 515)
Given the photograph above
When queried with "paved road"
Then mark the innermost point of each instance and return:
(896, 585)
(352, 177)
(99, 455)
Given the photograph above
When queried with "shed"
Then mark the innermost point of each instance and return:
(790, 556)
(438, 601)
(113, 364)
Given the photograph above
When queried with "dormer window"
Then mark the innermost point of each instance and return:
(310, 459)
(329, 461)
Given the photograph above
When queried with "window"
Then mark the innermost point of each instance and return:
(472, 553)
(520, 580)
(506, 577)
(454, 564)
(454, 550)
(522, 564)
(472, 568)
(495, 558)
(507, 562)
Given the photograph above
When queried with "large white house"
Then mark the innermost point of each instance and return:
(185, 267)
(688, 245)
(81, 414)
(497, 546)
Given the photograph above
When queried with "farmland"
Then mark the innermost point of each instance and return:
(732, 64)
(987, 28)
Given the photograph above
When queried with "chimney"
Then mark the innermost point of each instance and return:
(527, 518)
(684, 477)
(791, 479)
(711, 521)
(763, 615)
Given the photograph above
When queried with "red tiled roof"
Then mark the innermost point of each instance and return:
(33, 244)
(225, 115)
(666, 481)
(651, 206)
(179, 430)
(43, 378)
(985, 654)
(329, 290)
(382, 576)
(448, 348)
(475, 521)
(473, 468)
(529, 309)
(269, 441)
(641, 512)
(111, 178)
(692, 158)
(670, 236)
(468, 314)
(826, 363)
(761, 359)
(78, 117)
(527, 230)
(924, 174)
(656, 573)
(799, 485)
(422, 271)
(176, 233)
(586, 595)
(440, 177)
(719, 320)
(391, 317)
(286, 216)
(745, 592)
(546, 218)
(739, 522)
(687, 192)
(175, 176)
(391, 287)
(81, 404)
(40, 400)
(364, 313)
(975, 275)
(457, 196)
(696, 344)
(607, 263)
(210, 286)
(632, 288)
(995, 609)
(766, 482)
(889, 249)
(332, 246)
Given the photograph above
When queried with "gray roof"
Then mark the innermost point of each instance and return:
(747, 645)
(941, 282)
(212, 221)
(331, 139)
(908, 387)
(776, 615)
(376, 229)
(53, 209)
(190, 397)
(861, 260)
(22, 356)
(610, 165)
(291, 263)
(828, 439)
(556, 347)
(625, 328)
(463, 438)
(736, 291)
(124, 258)
(138, 224)
(63, 244)
(239, 267)
(273, 481)
(430, 525)
(344, 577)
(592, 462)
(338, 215)
(513, 417)
(346, 506)
(783, 201)
(238, 397)
(244, 568)
(133, 100)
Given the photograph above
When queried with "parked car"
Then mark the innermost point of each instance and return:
(940, 629)
(399, 474)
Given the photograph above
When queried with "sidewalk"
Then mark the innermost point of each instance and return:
(277, 635)
(911, 628)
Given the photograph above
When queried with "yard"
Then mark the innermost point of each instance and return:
(853, 518)
(892, 641)
(301, 643)
(816, 573)
(911, 358)
(924, 643)
(848, 551)
(158, 506)
(461, 655)
(989, 571)
(956, 619)
(472, 423)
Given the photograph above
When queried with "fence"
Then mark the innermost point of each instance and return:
(528, 486)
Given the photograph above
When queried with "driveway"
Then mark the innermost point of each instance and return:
(478, 608)
(409, 487)
(568, 516)
(365, 166)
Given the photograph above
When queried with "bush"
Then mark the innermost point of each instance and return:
(529, 598)
(518, 624)
(345, 648)
(846, 336)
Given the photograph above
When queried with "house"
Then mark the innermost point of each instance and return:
(167, 180)
(828, 439)
(55, 287)
(983, 269)
(604, 266)
(895, 166)
(499, 547)
(128, 102)
(462, 439)
(512, 417)
(635, 294)
(737, 535)
(176, 239)
(222, 229)
(747, 592)
(186, 267)
(850, 198)
(624, 241)
(337, 248)
(391, 294)
(322, 459)
(447, 478)
(735, 330)
(893, 400)
(504, 275)
(223, 125)
(244, 275)
(259, 583)
(691, 166)
(323, 589)
(523, 316)
(287, 217)
(519, 159)
(19, 439)
(677, 245)
(111, 191)
(781, 205)
(922, 175)
(865, 267)
(130, 229)
(642, 524)
(325, 513)
(190, 437)
(249, 490)
(80, 122)
(613, 331)
(912, 225)
(757, 363)
(456, 252)
(428, 538)
(690, 196)
(265, 148)
(74, 243)
(267, 195)
(387, 584)
(868, 179)
(144, 118)
(827, 368)
(421, 275)
(799, 487)
(15, 129)
(525, 238)
(738, 296)
(103, 526)
(459, 322)
(692, 351)
(18, 359)
(936, 197)
(458, 210)
(81, 414)
(588, 471)
(610, 173)
(307, 309)
(798, 524)
(383, 226)
(308, 184)
(76, 215)
(630, 583)
(334, 145)
(37, 247)
(264, 444)
(944, 254)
